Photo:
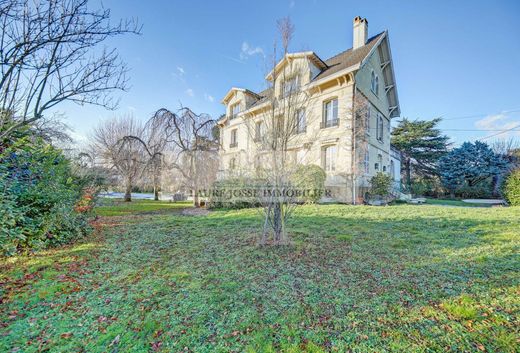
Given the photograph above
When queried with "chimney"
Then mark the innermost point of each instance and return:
(360, 32)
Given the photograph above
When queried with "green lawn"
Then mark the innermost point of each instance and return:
(361, 279)
(450, 202)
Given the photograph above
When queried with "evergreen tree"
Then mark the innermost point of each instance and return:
(421, 144)
(469, 165)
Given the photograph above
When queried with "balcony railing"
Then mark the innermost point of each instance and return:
(233, 144)
(329, 123)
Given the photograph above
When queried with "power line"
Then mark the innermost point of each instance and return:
(499, 133)
(480, 115)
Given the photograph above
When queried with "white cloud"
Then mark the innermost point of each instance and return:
(181, 70)
(498, 122)
(190, 92)
(209, 97)
(247, 50)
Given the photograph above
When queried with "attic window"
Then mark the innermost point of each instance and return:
(290, 86)
(235, 109)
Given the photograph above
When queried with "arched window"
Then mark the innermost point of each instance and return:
(392, 169)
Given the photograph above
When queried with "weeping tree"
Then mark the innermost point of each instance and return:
(154, 139)
(127, 156)
(53, 51)
(188, 140)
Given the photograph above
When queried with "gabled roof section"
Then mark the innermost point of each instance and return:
(315, 59)
(387, 68)
(230, 93)
(348, 58)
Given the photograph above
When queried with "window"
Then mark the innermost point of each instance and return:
(392, 169)
(374, 83)
(290, 86)
(232, 163)
(234, 142)
(380, 127)
(235, 109)
(379, 163)
(330, 113)
(258, 131)
(329, 163)
(301, 124)
(367, 163)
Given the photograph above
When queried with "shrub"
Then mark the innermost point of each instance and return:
(512, 188)
(380, 185)
(42, 201)
(227, 193)
(310, 178)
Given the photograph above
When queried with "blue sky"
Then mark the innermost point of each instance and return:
(456, 59)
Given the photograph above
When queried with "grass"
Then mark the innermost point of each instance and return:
(117, 207)
(451, 202)
(354, 279)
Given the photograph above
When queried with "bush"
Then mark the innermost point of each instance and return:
(380, 185)
(512, 188)
(310, 178)
(42, 202)
(227, 193)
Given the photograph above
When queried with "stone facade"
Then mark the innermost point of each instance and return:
(351, 99)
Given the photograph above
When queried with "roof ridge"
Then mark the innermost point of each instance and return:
(346, 50)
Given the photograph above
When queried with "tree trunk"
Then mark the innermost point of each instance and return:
(278, 223)
(408, 171)
(156, 193)
(452, 194)
(196, 202)
(128, 192)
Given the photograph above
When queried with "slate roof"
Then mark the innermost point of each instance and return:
(348, 58)
(334, 64)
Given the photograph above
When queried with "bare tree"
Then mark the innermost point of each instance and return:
(50, 52)
(128, 157)
(187, 138)
(276, 132)
(154, 140)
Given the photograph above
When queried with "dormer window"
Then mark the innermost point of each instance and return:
(290, 86)
(374, 83)
(235, 109)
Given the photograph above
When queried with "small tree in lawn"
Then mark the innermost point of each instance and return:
(469, 165)
(281, 123)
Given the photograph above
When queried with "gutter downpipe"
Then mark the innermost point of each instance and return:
(353, 160)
